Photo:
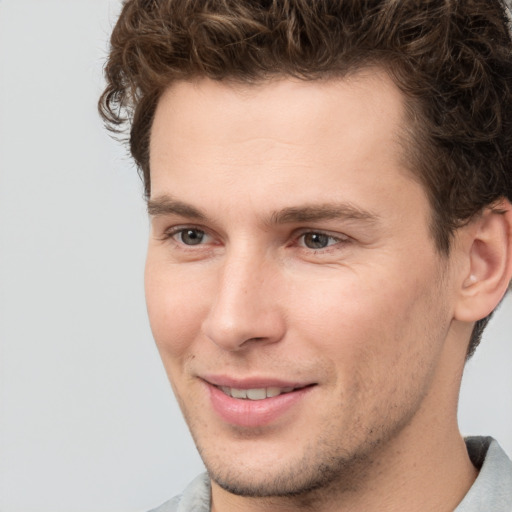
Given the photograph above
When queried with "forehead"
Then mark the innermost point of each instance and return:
(281, 141)
(287, 109)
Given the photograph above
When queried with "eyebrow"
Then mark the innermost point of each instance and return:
(167, 205)
(319, 212)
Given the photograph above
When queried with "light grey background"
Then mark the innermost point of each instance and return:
(87, 420)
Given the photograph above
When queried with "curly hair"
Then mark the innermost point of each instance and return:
(452, 59)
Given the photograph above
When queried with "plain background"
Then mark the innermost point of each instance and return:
(87, 419)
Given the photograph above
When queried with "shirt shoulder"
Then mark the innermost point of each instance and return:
(195, 498)
(492, 490)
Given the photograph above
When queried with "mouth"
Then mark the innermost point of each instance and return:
(253, 402)
(257, 393)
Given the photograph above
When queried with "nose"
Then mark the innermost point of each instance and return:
(245, 308)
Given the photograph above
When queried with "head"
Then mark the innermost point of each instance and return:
(325, 181)
(457, 93)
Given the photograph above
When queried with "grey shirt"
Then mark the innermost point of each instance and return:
(492, 490)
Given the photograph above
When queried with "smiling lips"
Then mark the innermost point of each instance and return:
(254, 406)
(255, 393)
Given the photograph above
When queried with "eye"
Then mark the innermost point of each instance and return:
(317, 241)
(190, 236)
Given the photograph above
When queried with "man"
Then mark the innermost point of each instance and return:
(329, 189)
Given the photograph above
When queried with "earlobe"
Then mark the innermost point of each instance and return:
(489, 253)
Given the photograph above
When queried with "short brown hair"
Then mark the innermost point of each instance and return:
(452, 59)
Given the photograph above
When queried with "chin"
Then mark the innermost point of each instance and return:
(315, 470)
(287, 484)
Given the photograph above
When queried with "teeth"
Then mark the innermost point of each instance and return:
(256, 393)
(273, 392)
(239, 393)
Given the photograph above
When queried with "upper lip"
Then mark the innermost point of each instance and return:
(254, 382)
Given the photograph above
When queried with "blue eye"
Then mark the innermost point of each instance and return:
(190, 236)
(317, 240)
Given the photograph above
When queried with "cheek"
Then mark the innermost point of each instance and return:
(385, 320)
(381, 341)
(175, 304)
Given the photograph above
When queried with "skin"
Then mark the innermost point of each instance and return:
(368, 321)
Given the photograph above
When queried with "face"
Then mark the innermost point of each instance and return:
(294, 291)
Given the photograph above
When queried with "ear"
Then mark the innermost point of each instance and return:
(488, 252)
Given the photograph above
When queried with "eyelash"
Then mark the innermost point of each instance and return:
(332, 240)
(170, 234)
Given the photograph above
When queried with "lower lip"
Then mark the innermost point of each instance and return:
(253, 413)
